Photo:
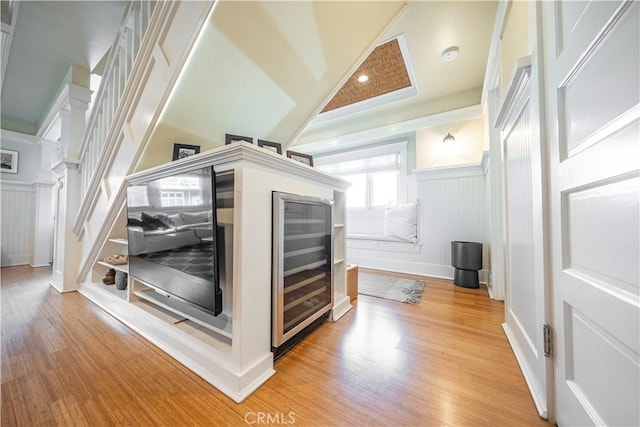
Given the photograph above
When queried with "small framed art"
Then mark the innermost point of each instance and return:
(300, 157)
(228, 138)
(271, 146)
(180, 151)
(8, 161)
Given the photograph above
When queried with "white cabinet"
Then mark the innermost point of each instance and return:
(238, 358)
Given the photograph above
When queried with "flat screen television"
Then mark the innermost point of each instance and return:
(173, 237)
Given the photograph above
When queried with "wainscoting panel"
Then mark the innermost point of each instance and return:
(451, 209)
(18, 223)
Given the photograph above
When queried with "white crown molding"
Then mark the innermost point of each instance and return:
(9, 135)
(387, 132)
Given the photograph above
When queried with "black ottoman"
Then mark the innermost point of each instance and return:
(466, 258)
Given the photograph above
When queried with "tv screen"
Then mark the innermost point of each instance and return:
(173, 237)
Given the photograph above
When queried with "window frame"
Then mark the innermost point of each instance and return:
(372, 151)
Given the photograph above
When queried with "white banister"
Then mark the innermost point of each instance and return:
(133, 25)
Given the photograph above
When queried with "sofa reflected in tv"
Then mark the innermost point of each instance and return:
(156, 231)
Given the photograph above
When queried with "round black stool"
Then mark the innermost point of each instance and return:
(466, 258)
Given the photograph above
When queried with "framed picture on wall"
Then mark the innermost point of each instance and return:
(180, 151)
(8, 161)
(271, 146)
(228, 138)
(300, 157)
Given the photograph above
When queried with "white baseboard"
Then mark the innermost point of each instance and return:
(340, 307)
(409, 267)
(14, 260)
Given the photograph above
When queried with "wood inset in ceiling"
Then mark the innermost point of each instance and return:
(387, 73)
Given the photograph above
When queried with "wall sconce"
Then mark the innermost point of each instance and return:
(449, 139)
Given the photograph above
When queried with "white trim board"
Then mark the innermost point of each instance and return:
(456, 171)
(389, 132)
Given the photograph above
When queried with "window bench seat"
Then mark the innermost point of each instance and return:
(382, 242)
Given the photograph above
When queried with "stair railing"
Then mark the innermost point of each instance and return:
(100, 130)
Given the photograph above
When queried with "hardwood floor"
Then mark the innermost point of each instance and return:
(445, 361)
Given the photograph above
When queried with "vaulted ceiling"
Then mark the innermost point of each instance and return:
(268, 68)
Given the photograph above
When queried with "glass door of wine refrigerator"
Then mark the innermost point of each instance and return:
(303, 267)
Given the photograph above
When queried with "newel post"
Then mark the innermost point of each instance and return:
(67, 193)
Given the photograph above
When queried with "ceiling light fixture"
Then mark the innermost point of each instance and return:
(363, 78)
(450, 53)
(449, 139)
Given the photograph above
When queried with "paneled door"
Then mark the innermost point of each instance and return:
(593, 120)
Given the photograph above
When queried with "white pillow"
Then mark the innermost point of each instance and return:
(401, 221)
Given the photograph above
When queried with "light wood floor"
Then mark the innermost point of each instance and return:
(445, 361)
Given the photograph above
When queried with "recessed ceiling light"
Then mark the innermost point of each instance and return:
(362, 78)
(450, 53)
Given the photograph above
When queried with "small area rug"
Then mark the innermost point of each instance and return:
(393, 288)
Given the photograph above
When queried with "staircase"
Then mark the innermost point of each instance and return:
(144, 63)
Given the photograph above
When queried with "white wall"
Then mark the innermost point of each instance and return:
(466, 149)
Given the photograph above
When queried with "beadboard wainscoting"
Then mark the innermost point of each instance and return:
(27, 223)
(452, 205)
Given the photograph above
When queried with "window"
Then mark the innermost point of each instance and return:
(374, 174)
(137, 196)
(180, 191)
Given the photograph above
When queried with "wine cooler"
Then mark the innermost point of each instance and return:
(302, 265)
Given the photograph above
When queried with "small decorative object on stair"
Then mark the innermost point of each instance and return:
(121, 280)
(116, 259)
(110, 277)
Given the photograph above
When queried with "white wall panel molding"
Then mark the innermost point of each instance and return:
(17, 222)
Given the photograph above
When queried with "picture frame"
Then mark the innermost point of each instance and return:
(228, 138)
(300, 157)
(271, 146)
(180, 151)
(8, 161)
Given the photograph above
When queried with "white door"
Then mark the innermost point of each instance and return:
(593, 119)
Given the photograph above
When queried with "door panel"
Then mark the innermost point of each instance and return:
(593, 95)
(524, 247)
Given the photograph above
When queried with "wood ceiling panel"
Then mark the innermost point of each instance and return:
(387, 73)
